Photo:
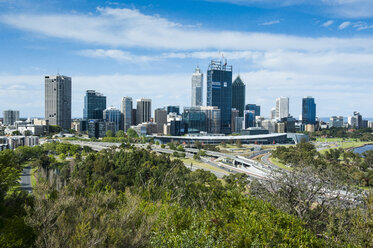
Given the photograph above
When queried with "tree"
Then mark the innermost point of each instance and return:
(132, 133)
(15, 133)
(120, 134)
(53, 129)
(238, 143)
(109, 133)
(198, 145)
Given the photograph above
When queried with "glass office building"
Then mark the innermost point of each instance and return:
(253, 107)
(219, 92)
(173, 109)
(238, 95)
(308, 110)
(94, 105)
(195, 120)
(113, 115)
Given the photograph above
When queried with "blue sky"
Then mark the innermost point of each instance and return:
(294, 48)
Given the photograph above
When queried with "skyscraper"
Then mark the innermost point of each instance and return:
(160, 116)
(10, 117)
(94, 105)
(219, 92)
(238, 95)
(144, 110)
(197, 88)
(253, 107)
(58, 101)
(308, 110)
(282, 107)
(112, 117)
(126, 110)
(359, 119)
(173, 109)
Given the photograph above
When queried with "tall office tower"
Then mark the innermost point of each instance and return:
(10, 117)
(160, 116)
(253, 107)
(197, 88)
(272, 114)
(352, 121)
(219, 92)
(336, 121)
(308, 110)
(249, 118)
(238, 95)
(58, 101)
(235, 114)
(126, 109)
(173, 109)
(144, 110)
(134, 116)
(282, 107)
(213, 118)
(359, 119)
(112, 117)
(94, 105)
(195, 120)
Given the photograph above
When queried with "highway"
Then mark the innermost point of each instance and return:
(26, 179)
(253, 169)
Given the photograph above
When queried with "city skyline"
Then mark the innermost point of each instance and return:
(329, 57)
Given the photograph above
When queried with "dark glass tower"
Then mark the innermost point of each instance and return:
(219, 92)
(238, 95)
(253, 107)
(308, 110)
(94, 105)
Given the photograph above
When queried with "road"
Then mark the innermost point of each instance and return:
(26, 179)
(254, 171)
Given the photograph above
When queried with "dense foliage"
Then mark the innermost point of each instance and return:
(136, 198)
(348, 166)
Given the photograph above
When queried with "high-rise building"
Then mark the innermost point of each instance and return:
(253, 107)
(336, 121)
(235, 114)
(308, 110)
(10, 117)
(94, 105)
(160, 117)
(282, 107)
(352, 121)
(126, 110)
(219, 92)
(238, 95)
(144, 110)
(58, 101)
(173, 109)
(272, 114)
(195, 120)
(96, 128)
(197, 88)
(112, 117)
(213, 116)
(249, 118)
(359, 119)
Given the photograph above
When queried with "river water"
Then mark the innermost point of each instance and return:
(362, 149)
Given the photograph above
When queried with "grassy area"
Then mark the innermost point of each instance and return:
(203, 165)
(276, 162)
(33, 178)
(347, 145)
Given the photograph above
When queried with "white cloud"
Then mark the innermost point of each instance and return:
(119, 55)
(270, 23)
(338, 8)
(344, 25)
(130, 28)
(328, 23)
